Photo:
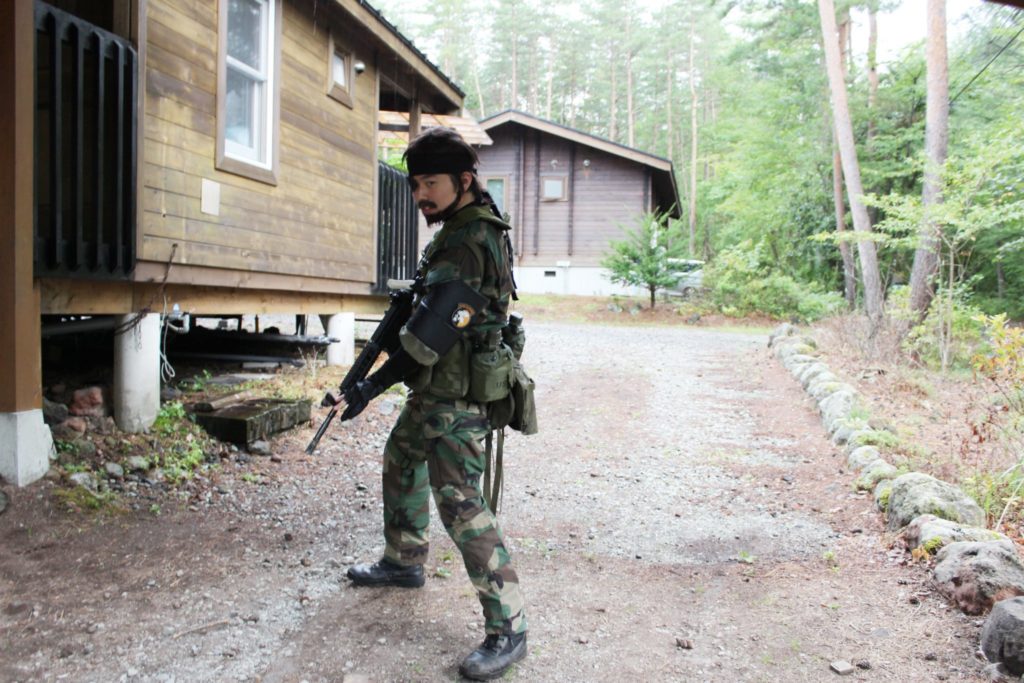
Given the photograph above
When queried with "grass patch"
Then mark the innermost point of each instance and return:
(81, 499)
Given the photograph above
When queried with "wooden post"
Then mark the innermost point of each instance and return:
(25, 442)
(414, 116)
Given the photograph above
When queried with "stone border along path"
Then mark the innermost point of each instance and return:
(976, 568)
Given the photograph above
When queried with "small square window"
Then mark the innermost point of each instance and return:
(553, 188)
(340, 74)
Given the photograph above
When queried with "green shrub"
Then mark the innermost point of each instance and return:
(739, 284)
(949, 336)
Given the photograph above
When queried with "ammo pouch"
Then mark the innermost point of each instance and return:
(449, 378)
(491, 374)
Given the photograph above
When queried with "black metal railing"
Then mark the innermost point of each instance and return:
(85, 143)
(397, 225)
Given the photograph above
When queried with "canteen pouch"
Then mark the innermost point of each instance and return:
(491, 374)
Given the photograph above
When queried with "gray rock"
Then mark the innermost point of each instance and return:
(839, 401)
(931, 533)
(783, 330)
(1002, 638)
(846, 428)
(862, 457)
(84, 448)
(798, 359)
(64, 432)
(170, 393)
(874, 473)
(260, 448)
(137, 463)
(3, 502)
(820, 380)
(114, 470)
(808, 373)
(842, 667)
(83, 479)
(977, 575)
(795, 348)
(914, 494)
(101, 425)
(861, 437)
(821, 391)
(53, 412)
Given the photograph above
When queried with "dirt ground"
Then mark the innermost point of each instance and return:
(680, 517)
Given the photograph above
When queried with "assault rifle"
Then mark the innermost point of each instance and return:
(384, 338)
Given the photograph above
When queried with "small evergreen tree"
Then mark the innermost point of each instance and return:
(644, 258)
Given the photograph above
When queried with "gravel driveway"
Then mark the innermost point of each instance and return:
(680, 517)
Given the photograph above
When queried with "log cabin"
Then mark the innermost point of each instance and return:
(215, 155)
(569, 195)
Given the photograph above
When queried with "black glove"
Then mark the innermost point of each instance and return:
(359, 396)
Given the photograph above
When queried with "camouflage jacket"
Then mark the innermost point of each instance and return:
(471, 246)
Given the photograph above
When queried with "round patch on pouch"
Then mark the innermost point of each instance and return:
(462, 315)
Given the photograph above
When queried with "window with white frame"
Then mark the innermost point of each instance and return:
(247, 96)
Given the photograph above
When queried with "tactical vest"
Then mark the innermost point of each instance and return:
(452, 376)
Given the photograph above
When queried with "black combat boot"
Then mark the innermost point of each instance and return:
(387, 573)
(496, 654)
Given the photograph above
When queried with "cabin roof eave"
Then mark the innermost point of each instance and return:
(390, 37)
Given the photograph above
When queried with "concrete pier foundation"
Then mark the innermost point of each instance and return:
(341, 326)
(137, 372)
(25, 447)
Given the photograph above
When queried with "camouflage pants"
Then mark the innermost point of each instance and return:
(437, 446)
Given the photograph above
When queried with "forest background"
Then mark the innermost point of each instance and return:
(736, 94)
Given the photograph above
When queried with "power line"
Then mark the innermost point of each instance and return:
(987, 65)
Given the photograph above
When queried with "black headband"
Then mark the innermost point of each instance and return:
(429, 164)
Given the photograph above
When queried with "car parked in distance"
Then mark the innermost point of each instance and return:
(691, 276)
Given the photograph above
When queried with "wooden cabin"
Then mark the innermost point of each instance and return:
(217, 155)
(569, 195)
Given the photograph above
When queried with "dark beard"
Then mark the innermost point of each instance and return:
(442, 216)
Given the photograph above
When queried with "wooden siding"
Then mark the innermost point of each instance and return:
(318, 221)
(606, 195)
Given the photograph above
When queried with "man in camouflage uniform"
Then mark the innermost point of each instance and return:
(437, 444)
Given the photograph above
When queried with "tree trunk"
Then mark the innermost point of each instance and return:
(652, 288)
(630, 124)
(479, 92)
(936, 138)
(693, 150)
(872, 68)
(534, 109)
(613, 128)
(515, 72)
(547, 109)
(872, 280)
(845, 249)
(668, 101)
(1000, 280)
